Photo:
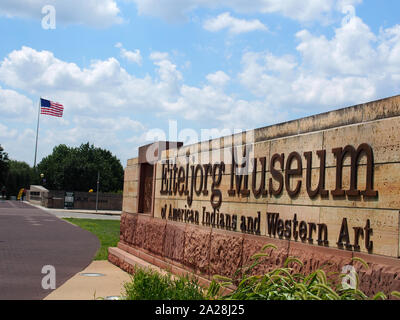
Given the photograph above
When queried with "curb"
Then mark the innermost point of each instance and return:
(105, 213)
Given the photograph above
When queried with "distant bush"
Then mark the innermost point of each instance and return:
(148, 284)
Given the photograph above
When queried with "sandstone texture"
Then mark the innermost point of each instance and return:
(225, 253)
(208, 252)
(174, 244)
(140, 232)
(128, 228)
(383, 274)
(331, 261)
(197, 249)
(155, 234)
(276, 257)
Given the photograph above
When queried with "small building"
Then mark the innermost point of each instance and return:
(36, 194)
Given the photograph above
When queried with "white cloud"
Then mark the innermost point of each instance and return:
(232, 24)
(5, 132)
(350, 51)
(104, 102)
(306, 10)
(109, 124)
(19, 144)
(353, 66)
(99, 99)
(214, 107)
(169, 79)
(344, 5)
(156, 55)
(105, 83)
(389, 47)
(95, 13)
(15, 106)
(103, 87)
(132, 56)
(218, 79)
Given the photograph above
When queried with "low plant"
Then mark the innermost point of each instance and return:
(286, 284)
(147, 284)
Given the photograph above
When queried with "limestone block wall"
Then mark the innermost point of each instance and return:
(131, 184)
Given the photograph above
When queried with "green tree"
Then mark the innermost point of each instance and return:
(20, 175)
(4, 166)
(75, 169)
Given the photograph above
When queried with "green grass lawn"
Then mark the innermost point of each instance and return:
(106, 230)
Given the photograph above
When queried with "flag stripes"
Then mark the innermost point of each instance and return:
(51, 108)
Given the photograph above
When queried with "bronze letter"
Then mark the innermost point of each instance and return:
(261, 190)
(293, 172)
(198, 190)
(321, 184)
(277, 175)
(355, 155)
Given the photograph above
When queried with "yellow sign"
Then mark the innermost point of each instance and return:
(20, 193)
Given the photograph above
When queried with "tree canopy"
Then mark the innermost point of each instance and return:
(20, 175)
(75, 169)
(4, 166)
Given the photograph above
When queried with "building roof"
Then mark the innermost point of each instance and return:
(38, 188)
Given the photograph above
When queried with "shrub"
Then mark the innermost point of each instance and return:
(285, 284)
(147, 284)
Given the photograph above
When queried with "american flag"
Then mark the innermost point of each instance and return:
(51, 108)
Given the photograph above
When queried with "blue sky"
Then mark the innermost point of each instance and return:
(124, 69)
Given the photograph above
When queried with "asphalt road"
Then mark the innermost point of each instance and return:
(31, 238)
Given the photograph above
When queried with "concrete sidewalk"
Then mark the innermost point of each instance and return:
(81, 287)
(83, 211)
(103, 212)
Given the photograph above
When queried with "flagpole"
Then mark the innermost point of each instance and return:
(37, 134)
(97, 191)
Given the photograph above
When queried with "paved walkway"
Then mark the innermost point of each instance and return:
(31, 238)
(111, 284)
(80, 287)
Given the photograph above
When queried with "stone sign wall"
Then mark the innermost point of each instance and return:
(324, 188)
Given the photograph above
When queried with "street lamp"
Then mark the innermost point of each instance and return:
(43, 179)
(97, 191)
